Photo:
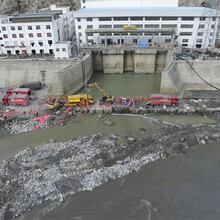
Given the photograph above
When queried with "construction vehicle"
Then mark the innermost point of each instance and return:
(17, 99)
(162, 99)
(106, 98)
(17, 96)
(58, 103)
(79, 100)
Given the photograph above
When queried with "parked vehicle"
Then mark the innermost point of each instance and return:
(18, 99)
(32, 85)
(162, 99)
(17, 96)
(79, 99)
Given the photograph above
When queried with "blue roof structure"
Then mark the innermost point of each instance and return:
(156, 9)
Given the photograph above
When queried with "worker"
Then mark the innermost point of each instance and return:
(7, 110)
(35, 113)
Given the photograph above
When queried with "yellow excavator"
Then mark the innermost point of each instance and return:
(58, 102)
(106, 98)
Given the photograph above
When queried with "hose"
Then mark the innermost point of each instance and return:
(198, 74)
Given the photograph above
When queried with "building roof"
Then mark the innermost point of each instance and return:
(34, 15)
(156, 9)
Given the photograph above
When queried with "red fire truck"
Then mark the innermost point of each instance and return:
(17, 96)
(162, 99)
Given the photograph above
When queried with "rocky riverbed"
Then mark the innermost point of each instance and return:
(53, 171)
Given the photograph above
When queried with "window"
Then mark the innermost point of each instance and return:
(151, 25)
(80, 34)
(213, 26)
(105, 19)
(31, 35)
(38, 27)
(138, 25)
(21, 35)
(165, 34)
(214, 18)
(40, 43)
(136, 18)
(29, 27)
(120, 19)
(32, 43)
(167, 40)
(3, 28)
(169, 26)
(169, 18)
(19, 28)
(200, 34)
(210, 40)
(185, 33)
(118, 26)
(202, 18)
(14, 36)
(199, 41)
(152, 18)
(50, 42)
(186, 26)
(105, 26)
(49, 34)
(39, 35)
(63, 49)
(12, 28)
(211, 34)
(78, 19)
(89, 26)
(184, 45)
(90, 34)
(79, 26)
(57, 49)
(5, 35)
(201, 26)
(187, 18)
(88, 19)
(185, 40)
(47, 27)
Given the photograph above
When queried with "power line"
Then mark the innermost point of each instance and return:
(182, 58)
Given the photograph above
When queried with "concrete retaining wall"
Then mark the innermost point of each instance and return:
(178, 75)
(119, 60)
(60, 76)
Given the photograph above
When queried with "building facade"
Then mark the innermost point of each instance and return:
(195, 27)
(36, 33)
(127, 3)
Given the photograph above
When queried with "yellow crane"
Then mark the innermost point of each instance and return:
(106, 97)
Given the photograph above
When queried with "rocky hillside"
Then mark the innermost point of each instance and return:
(16, 6)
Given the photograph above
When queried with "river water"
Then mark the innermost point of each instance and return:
(186, 187)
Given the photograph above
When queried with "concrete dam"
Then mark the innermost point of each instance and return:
(70, 75)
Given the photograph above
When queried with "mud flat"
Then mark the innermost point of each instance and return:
(53, 171)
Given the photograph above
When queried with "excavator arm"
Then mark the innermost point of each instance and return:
(104, 93)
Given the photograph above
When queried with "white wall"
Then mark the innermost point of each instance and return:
(128, 3)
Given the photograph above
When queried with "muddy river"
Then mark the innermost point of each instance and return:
(186, 187)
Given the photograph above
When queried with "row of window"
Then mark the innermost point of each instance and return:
(37, 27)
(152, 18)
(190, 34)
(22, 43)
(147, 26)
(29, 35)
(58, 49)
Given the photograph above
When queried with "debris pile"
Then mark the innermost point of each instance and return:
(53, 171)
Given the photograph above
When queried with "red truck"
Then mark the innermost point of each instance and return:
(162, 99)
(17, 96)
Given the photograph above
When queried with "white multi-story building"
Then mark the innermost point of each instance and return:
(127, 3)
(195, 27)
(35, 33)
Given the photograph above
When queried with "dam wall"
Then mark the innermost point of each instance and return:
(137, 60)
(178, 76)
(60, 76)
